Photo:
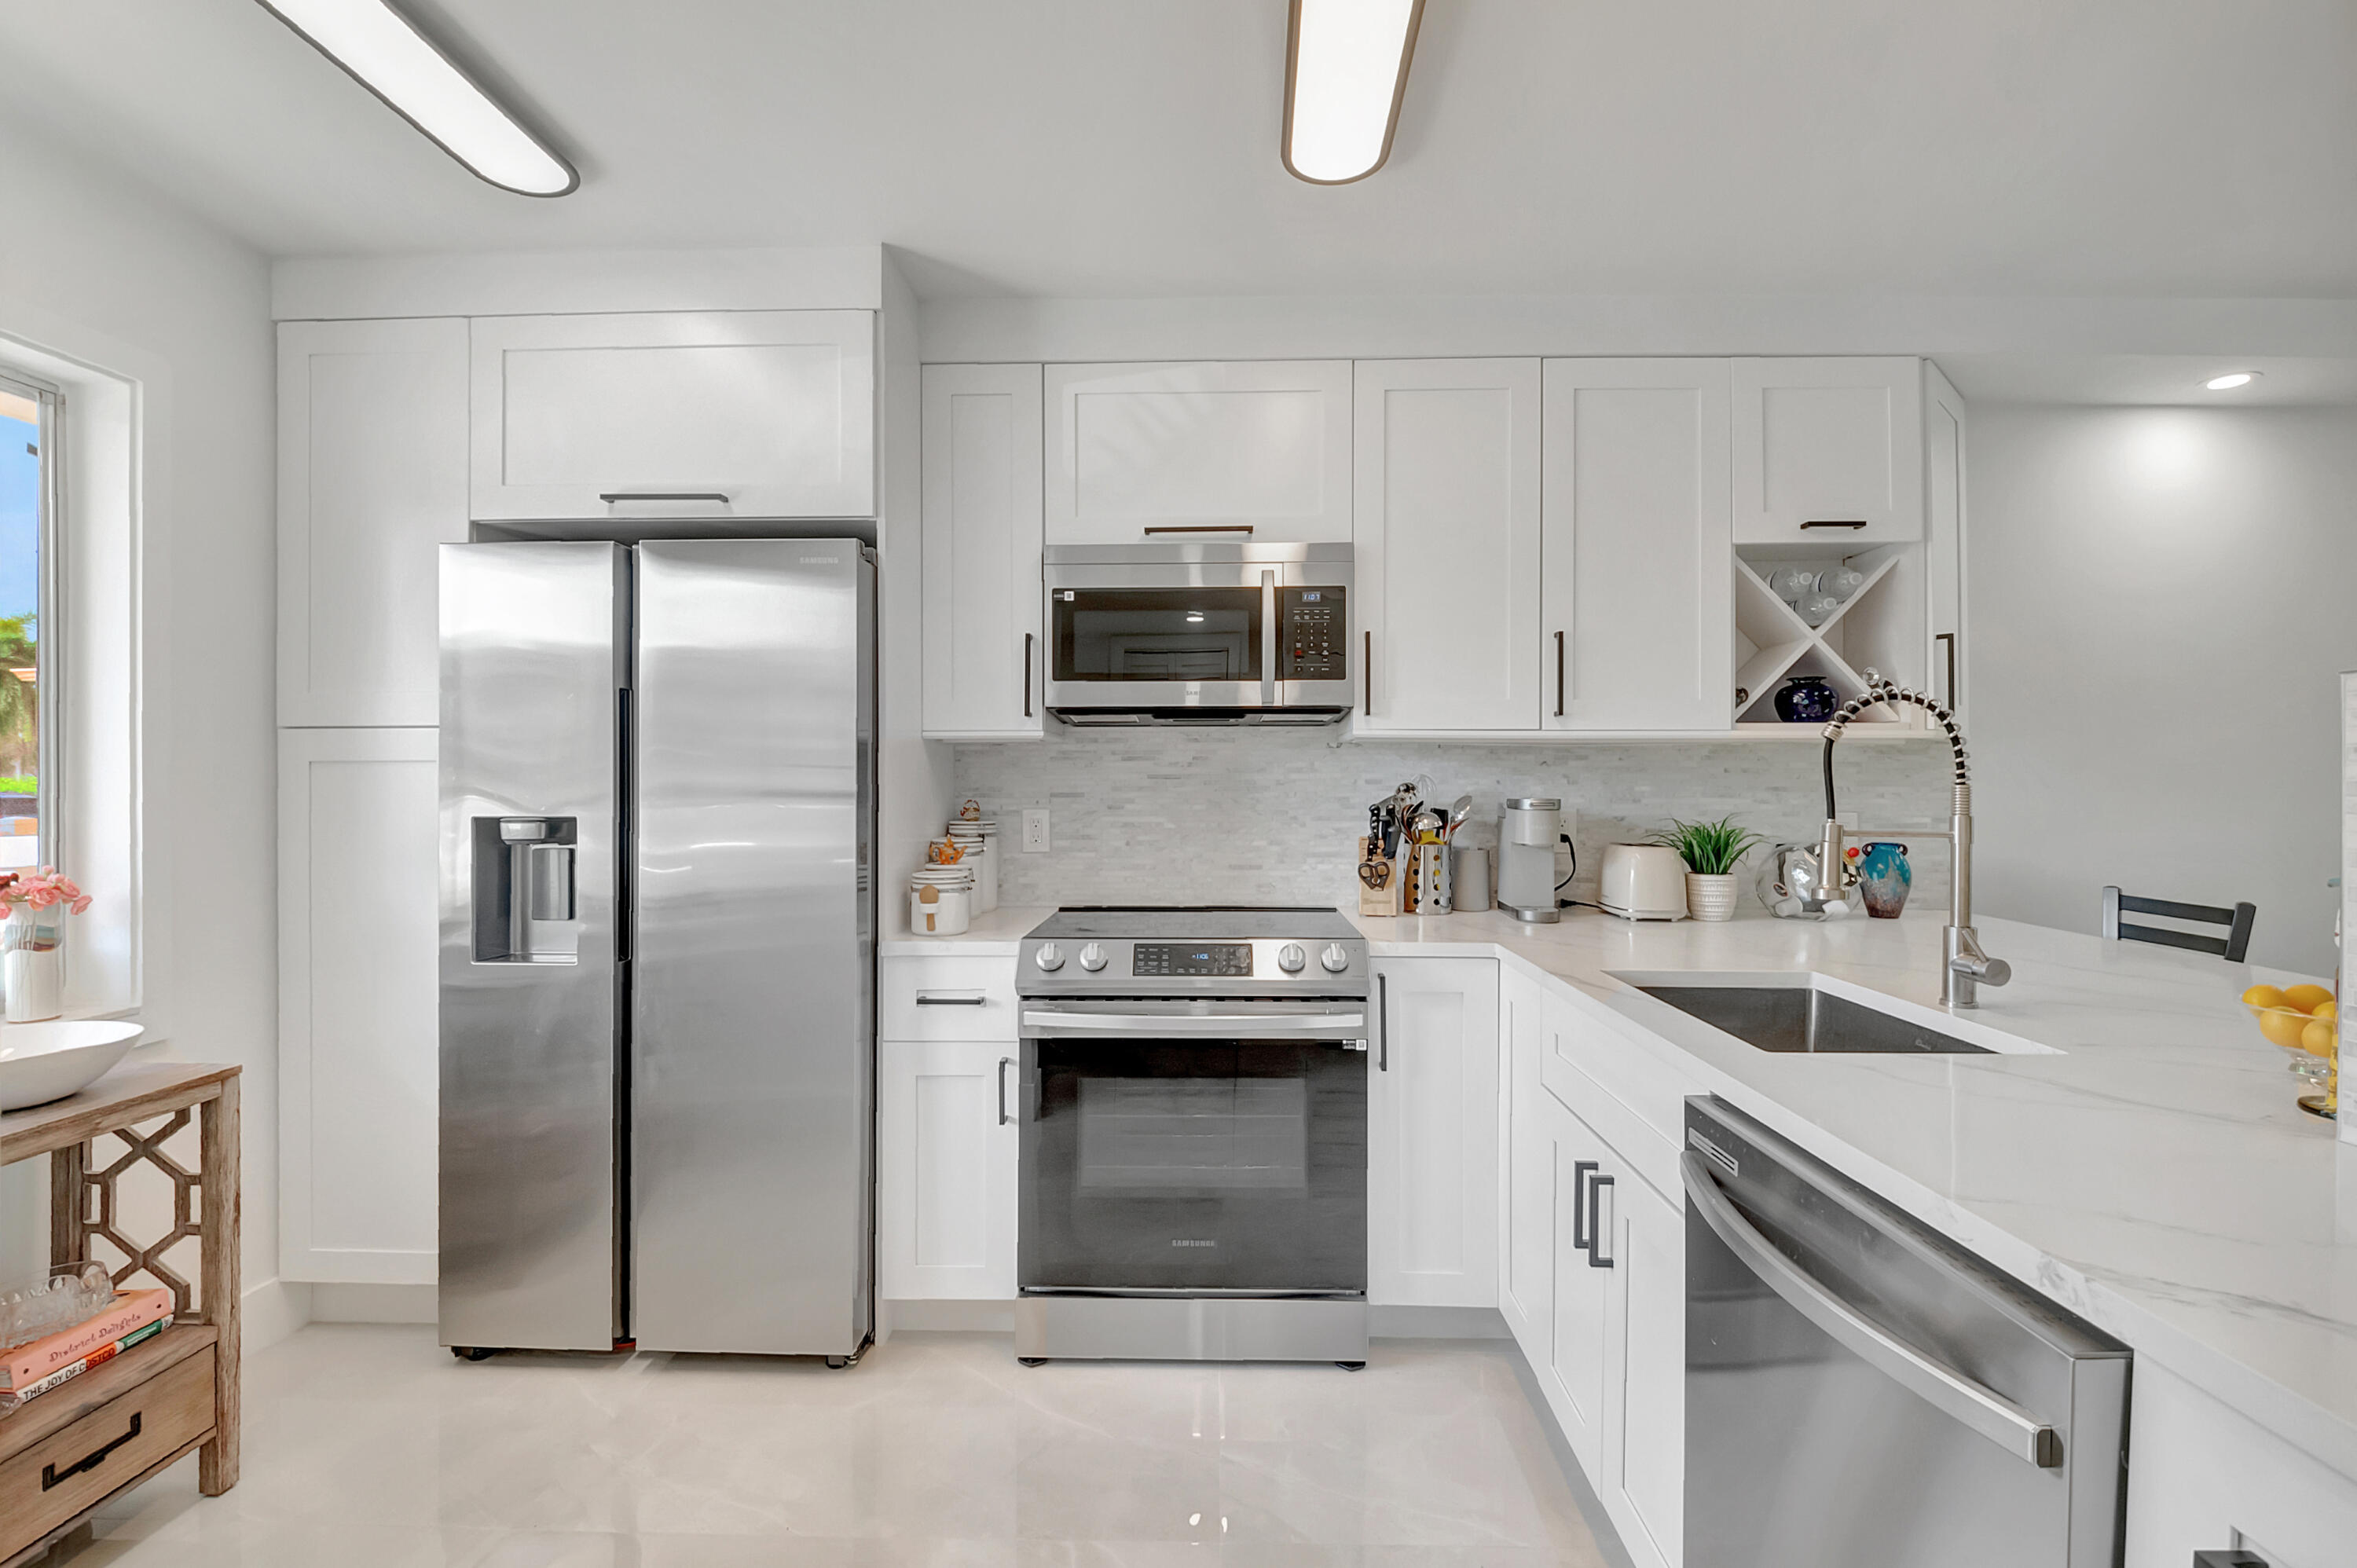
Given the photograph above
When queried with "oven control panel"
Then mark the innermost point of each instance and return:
(1313, 637)
(1190, 958)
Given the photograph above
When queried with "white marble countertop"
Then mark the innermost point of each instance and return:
(995, 935)
(2151, 1172)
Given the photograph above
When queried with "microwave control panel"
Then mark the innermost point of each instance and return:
(1313, 635)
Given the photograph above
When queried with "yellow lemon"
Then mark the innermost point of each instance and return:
(2284, 1028)
(2318, 1037)
(2326, 1010)
(2263, 996)
(2306, 998)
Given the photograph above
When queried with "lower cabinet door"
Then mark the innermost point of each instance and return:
(1432, 1113)
(945, 1169)
(1572, 1373)
(1526, 1188)
(1643, 1483)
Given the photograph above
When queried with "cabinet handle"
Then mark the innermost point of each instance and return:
(1580, 1236)
(1558, 675)
(1204, 528)
(1830, 522)
(52, 1476)
(1596, 1186)
(928, 999)
(1950, 639)
(1367, 675)
(1384, 1022)
(1026, 675)
(611, 496)
(1004, 1063)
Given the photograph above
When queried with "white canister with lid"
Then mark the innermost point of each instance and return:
(940, 909)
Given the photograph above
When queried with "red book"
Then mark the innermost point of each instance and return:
(133, 1310)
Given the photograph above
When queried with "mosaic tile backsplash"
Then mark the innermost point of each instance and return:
(1251, 816)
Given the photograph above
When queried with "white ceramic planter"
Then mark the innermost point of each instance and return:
(1710, 897)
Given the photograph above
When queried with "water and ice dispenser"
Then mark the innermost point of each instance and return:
(524, 907)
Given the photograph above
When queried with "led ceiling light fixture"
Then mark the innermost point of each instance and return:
(384, 52)
(2229, 382)
(1345, 71)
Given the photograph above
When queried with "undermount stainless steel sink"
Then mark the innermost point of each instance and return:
(1801, 1018)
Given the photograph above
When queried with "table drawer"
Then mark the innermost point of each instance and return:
(75, 1468)
(945, 999)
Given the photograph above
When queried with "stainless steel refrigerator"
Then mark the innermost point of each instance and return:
(657, 945)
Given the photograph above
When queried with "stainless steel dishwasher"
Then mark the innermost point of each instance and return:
(1863, 1393)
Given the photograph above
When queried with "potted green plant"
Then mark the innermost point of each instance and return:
(1710, 851)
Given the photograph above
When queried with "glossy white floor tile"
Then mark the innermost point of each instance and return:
(371, 1446)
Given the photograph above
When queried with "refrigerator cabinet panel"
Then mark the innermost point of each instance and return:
(752, 1061)
(535, 657)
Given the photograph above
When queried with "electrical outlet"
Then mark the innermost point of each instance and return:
(1035, 833)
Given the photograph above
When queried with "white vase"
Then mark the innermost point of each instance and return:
(33, 963)
(1710, 897)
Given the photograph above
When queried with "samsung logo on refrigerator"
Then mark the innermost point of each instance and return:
(1184, 1243)
(820, 560)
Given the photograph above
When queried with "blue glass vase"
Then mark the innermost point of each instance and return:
(1884, 878)
(1806, 700)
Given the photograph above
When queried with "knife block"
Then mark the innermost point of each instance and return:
(1383, 900)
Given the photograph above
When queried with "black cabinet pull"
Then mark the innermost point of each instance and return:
(1384, 1021)
(1596, 1258)
(51, 1475)
(611, 496)
(1580, 1236)
(1026, 675)
(927, 1000)
(1558, 675)
(1004, 1063)
(1202, 527)
(1950, 639)
(1830, 522)
(1367, 675)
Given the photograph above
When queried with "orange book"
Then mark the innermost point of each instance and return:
(133, 1310)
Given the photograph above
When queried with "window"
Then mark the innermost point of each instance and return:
(28, 420)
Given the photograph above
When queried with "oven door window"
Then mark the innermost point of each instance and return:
(1194, 1165)
(1157, 634)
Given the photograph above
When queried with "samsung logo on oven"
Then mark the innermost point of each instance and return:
(820, 560)
(1187, 1244)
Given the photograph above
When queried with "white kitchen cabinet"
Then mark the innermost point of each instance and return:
(1943, 536)
(1828, 451)
(945, 1169)
(1256, 450)
(1445, 544)
(1526, 1186)
(984, 644)
(358, 1040)
(1643, 1482)
(1572, 1374)
(756, 414)
(371, 478)
(1432, 1135)
(1639, 620)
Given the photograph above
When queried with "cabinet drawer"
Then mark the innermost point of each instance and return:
(73, 1468)
(945, 999)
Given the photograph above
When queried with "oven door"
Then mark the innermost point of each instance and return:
(1194, 1149)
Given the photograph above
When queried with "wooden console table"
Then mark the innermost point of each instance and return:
(64, 1453)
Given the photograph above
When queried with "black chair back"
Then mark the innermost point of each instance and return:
(2229, 947)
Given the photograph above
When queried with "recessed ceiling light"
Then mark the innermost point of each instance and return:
(1345, 70)
(384, 53)
(2229, 382)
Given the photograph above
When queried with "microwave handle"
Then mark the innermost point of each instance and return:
(1268, 640)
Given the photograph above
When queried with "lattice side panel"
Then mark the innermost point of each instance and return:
(135, 1183)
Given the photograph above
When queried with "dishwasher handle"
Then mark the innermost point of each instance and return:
(1981, 1408)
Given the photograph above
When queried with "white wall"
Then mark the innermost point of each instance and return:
(2159, 611)
(110, 275)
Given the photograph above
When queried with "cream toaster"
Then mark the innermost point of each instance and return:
(1643, 882)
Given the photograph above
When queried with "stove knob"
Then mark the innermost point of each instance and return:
(1336, 958)
(1049, 957)
(1093, 958)
(1290, 958)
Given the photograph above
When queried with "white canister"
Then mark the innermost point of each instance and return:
(938, 911)
(979, 846)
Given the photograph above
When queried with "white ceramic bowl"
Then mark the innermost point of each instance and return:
(41, 1062)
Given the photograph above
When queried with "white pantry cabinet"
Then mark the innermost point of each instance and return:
(1943, 535)
(358, 1038)
(985, 643)
(945, 1169)
(1432, 1134)
(753, 414)
(371, 478)
(1828, 451)
(1245, 449)
(1445, 544)
(1639, 614)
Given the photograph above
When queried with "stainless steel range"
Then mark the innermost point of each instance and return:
(1194, 1136)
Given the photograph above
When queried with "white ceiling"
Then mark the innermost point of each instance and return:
(1129, 147)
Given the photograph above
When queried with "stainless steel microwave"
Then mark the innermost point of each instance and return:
(1202, 633)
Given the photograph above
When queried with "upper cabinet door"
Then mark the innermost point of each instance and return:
(983, 641)
(371, 478)
(1943, 535)
(1828, 451)
(1639, 619)
(1256, 450)
(1445, 544)
(745, 413)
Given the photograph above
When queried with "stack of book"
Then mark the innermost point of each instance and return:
(30, 1371)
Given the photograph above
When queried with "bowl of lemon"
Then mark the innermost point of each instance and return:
(2305, 1021)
